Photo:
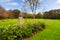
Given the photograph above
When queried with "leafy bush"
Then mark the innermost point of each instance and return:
(18, 32)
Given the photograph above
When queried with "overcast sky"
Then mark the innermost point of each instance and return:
(45, 5)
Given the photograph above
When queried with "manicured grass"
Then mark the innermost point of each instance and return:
(8, 22)
(52, 31)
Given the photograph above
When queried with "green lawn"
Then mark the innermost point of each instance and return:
(52, 31)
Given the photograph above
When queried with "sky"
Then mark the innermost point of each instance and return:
(45, 5)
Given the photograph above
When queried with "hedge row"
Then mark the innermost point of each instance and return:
(18, 32)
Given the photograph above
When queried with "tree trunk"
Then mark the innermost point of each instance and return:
(33, 18)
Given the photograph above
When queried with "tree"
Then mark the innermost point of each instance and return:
(16, 13)
(52, 14)
(39, 15)
(33, 5)
(2, 11)
(10, 13)
(25, 15)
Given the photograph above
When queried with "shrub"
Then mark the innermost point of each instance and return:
(18, 32)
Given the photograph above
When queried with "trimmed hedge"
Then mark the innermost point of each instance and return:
(18, 32)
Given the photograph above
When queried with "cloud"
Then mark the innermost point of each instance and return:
(5, 0)
(9, 2)
(12, 3)
(57, 1)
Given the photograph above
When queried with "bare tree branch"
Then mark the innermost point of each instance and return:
(33, 5)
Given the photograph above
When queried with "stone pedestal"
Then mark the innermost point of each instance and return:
(20, 20)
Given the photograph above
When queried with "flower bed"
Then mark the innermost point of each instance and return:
(18, 32)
